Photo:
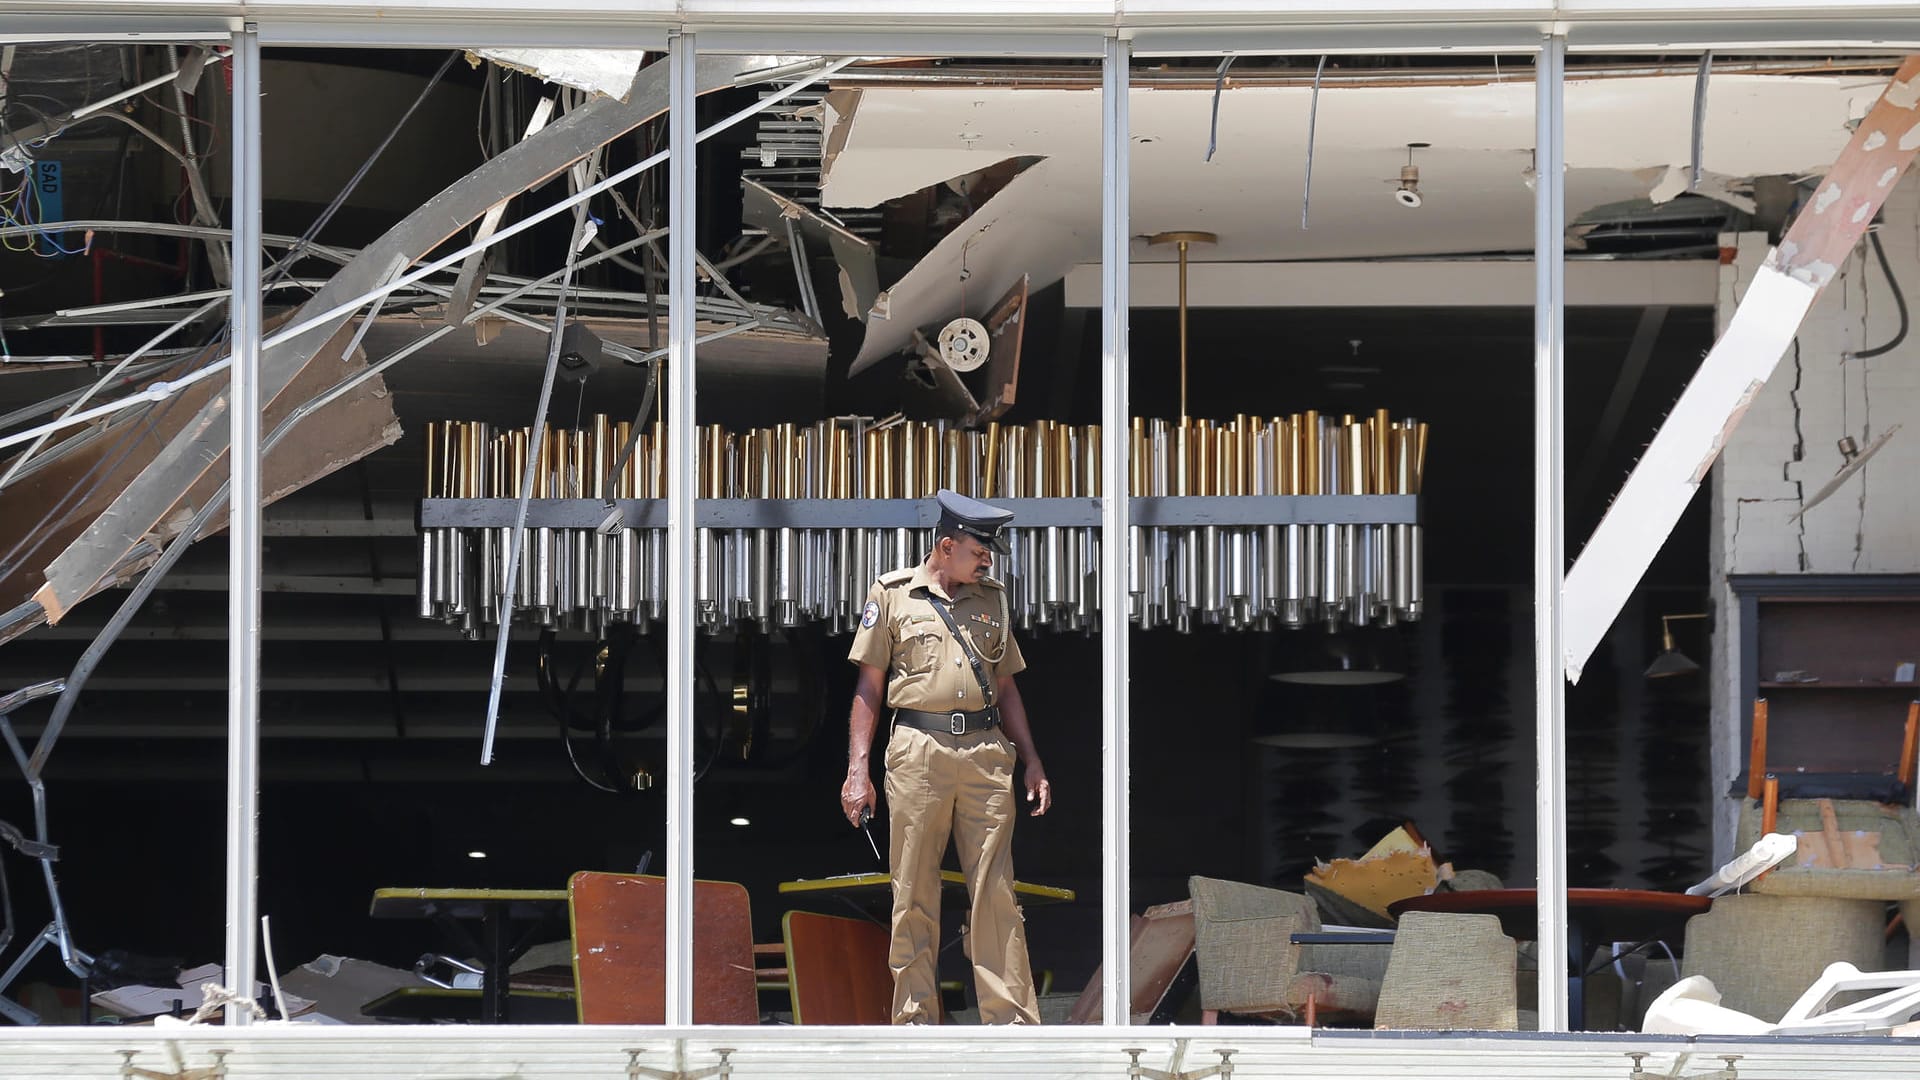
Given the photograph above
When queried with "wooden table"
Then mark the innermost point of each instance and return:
(496, 910)
(865, 891)
(1593, 916)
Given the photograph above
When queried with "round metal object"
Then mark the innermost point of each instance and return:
(1183, 236)
(964, 344)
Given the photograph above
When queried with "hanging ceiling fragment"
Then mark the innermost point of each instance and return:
(1624, 137)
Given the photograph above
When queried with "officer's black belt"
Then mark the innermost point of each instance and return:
(953, 723)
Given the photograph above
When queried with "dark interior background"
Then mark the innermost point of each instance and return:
(138, 813)
(372, 718)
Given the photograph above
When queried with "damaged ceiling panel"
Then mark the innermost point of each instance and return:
(139, 512)
(1624, 135)
(609, 72)
(47, 509)
(859, 278)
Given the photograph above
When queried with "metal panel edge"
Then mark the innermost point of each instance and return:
(502, 32)
(243, 531)
(683, 461)
(970, 41)
(1549, 560)
(98, 28)
(1116, 885)
(1267, 39)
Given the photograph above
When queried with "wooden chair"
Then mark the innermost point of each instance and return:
(619, 950)
(1161, 963)
(837, 968)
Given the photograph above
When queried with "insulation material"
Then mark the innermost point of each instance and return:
(1377, 880)
(608, 72)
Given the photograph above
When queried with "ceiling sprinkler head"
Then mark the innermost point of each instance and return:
(1408, 193)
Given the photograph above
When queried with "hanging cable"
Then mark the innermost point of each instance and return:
(1219, 85)
(1899, 302)
(340, 199)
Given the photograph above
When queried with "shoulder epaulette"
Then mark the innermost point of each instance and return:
(896, 578)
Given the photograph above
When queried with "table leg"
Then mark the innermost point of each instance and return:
(494, 982)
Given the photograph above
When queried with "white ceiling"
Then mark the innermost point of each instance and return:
(1623, 136)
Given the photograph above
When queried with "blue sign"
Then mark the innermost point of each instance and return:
(52, 206)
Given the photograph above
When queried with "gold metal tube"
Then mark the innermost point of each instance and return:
(1181, 460)
(1420, 458)
(1183, 330)
(1062, 460)
(929, 459)
(1356, 458)
(1090, 452)
(1310, 445)
(433, 434)
(1382, 450)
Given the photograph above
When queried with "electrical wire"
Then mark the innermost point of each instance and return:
(340, 198)
(1899, 302)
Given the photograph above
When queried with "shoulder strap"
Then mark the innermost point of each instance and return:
(973, 658)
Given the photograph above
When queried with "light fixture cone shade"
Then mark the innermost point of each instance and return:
(1348, 658)
(1337, 678)
(1316, 734)
(1669, 663)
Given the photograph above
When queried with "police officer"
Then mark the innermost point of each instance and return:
(934, 640)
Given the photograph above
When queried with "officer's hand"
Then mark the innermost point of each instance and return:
(1039, 792)
(856, 795)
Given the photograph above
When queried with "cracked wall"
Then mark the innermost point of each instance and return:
(1785, 450)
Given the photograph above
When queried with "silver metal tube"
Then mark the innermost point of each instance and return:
(457, 570)
(1137, 573)
(656, 595)
(1238, 572)
(581, 595)
(1275, 571)
(1312, 538)
(542, 593)
(1210, 571)
(786, 567)
(626, 578)
(484, 574)
(1331, 588)
(1417, 572)
(706, 577)
(602, 548)
(1296, 562)
(1051, 556)
(760, 589)
(423, 582)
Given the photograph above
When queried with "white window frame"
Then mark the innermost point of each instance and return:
(1268, 26)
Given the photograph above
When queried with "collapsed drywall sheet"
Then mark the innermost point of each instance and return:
(140, 512)
(1028, 229)
(597, 71)
(1762, 328)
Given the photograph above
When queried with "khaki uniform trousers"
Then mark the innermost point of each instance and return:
(960, 785)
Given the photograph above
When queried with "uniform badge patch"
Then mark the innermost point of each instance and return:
(869, 615)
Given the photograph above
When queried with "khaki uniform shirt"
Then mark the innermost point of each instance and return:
(901, 634)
